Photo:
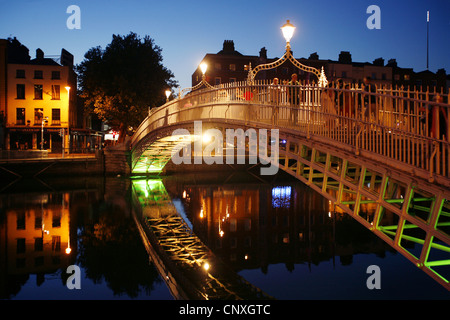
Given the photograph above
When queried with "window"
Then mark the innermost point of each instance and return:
(20, 89)
(56, 220)
(38, 114)
(38, 74)
(20, 74)
(38, 91)
(232, 80)
(217, 80)
(20, 248)
(374, 76)
(38, 244)
(56, 243)
(217, 66)
(232, 67)
(38, 221)
(55, 92)
(20, 116)
(56, 75)
(56, 116)
(344, 74)
(20, 221)
(383, 76)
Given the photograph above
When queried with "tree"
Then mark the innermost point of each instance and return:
(122, 81)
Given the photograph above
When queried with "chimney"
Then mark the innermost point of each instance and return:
(39, 54)
(392, 63)
(345, 57)
(378, 62)
(313, 56)
(228, 46)
(263, 53)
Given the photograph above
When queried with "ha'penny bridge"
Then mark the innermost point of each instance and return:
(380, 156)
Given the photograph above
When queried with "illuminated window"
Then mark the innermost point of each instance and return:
(55, 92)
(56, 116)
(281, 197)
(20, 116)
(56, 243)
(232, 67)
(38, 91)
(38, 114)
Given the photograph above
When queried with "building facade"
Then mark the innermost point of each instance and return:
(229, 65)
(39, 104)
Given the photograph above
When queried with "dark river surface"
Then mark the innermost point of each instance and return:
(278, 234)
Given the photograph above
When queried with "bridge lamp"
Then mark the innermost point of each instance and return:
(206, 138)
(168, 92)
(206, 266)
(203, 67)
(288, 31)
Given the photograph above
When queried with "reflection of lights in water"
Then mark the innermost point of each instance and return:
(281, 197)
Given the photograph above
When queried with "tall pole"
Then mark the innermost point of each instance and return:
(428, 27)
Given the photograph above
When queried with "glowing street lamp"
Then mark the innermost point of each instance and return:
(288, 31)
(203, 68)
(168, 92)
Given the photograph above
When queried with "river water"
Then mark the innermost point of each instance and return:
(278, 234)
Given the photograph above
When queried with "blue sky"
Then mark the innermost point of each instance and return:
(187, 30)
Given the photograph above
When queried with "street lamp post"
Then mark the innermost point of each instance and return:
(203, 67)
(42, 129)
(288, 32)
(168, 92)
(62, 128)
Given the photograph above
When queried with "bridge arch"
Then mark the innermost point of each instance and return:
(380, 167)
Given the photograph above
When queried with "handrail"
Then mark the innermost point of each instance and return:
(384, 123)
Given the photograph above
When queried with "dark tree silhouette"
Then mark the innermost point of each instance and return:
(122, 81)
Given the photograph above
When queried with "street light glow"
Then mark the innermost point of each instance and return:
(288, 31)
(203, 67)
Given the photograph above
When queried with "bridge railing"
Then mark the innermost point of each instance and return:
(407, 126)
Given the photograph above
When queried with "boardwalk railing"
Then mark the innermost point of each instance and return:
(408, 127)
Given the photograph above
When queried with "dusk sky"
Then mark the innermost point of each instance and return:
(187, 30)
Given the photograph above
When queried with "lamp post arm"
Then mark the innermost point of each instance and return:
(287, 56)
(303, 67)
(198, 85)
(252, 72)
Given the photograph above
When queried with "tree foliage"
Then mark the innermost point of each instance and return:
(122, 81)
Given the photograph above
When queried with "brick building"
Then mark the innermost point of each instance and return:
(229, 65)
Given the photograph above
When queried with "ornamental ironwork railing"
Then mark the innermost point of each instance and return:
(405, 128)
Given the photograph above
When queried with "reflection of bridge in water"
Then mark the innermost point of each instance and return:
(189, 268)
(374, 155)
